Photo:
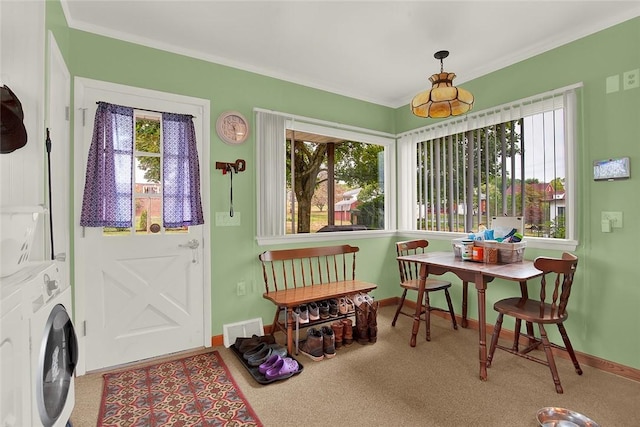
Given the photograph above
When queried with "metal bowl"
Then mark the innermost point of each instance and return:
(561, 417)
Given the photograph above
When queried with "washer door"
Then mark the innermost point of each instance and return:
(56, 364)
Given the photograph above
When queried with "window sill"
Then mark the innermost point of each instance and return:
(532, 242)
(324, 237)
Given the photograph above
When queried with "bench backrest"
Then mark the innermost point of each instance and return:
(294, 268)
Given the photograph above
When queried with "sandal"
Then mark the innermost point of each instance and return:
(283, 368)
(269, 363)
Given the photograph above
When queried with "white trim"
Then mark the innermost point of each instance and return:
(327, 124)
(154, 100)
(324, 237)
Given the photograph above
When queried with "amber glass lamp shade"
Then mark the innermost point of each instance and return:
(443, 99)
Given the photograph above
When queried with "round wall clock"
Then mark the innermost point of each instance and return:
(232, 127)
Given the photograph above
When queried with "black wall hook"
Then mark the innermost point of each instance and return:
(240, 165)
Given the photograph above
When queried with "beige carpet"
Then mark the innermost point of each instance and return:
(434, 384)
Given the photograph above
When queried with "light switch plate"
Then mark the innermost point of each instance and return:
(614, 217)
(613, 83)
(223, 219)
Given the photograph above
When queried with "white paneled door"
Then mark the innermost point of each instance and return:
(144, 297)
(143, 294)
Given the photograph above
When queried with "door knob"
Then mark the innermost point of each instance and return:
(191, 244)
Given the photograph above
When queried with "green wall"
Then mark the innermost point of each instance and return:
(604, 311)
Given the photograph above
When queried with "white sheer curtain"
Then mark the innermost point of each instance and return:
(271, 173)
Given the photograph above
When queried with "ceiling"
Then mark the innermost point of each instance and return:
(377, 51)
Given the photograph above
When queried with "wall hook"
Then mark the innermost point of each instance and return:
(240, 165)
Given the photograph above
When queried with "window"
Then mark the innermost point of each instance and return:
(147, 161)
(514, 160)
(147, 177)
(313, 178)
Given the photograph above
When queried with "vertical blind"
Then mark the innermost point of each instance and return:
(449, 163)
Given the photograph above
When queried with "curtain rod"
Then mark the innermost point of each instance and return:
(151, 111)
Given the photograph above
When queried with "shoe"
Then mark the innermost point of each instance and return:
(333, 307)
(362, 322)
(267, 364)
(372, 320)
(338, 331)
(314, 311)
(281, 369)
(313, 346)
(304, 314)
(243, 344)
(342, 305)
(328, 342)
(350, 306)
(347, 331)
(260, 357)
(358, 300)
(324, 309)
(255, 350)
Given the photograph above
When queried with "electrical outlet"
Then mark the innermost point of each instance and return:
(241, 288)
(631, 79)
(615, 218)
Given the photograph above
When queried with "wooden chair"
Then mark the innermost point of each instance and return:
(409, 278)
(551, 308)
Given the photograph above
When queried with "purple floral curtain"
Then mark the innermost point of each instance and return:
(107, 190)
(181, 172)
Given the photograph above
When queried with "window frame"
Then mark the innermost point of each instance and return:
(265, 206)
(407, 143)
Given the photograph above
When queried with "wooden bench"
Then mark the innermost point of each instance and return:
(299, 276)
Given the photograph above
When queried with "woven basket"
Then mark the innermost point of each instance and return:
(508, 253)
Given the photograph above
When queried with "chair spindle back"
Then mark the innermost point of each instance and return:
(295, 268)
(410, 270)
(560, 272)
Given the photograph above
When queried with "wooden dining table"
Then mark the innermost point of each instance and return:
(438, 263)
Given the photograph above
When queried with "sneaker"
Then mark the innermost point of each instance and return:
(342, 306)
(303, 315)
(333, 307)
(313, 346)
(351, 308)
(324, 309)
(328, 342)
(358, 299)
(314, 311)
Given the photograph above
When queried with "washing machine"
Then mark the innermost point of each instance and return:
(15, 409)
(53, 346)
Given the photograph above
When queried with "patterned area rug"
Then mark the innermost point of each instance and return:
(194, 391)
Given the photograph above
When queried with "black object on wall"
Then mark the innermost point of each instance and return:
(13, 134)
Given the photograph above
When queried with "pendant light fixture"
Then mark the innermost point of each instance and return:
(443, 99)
